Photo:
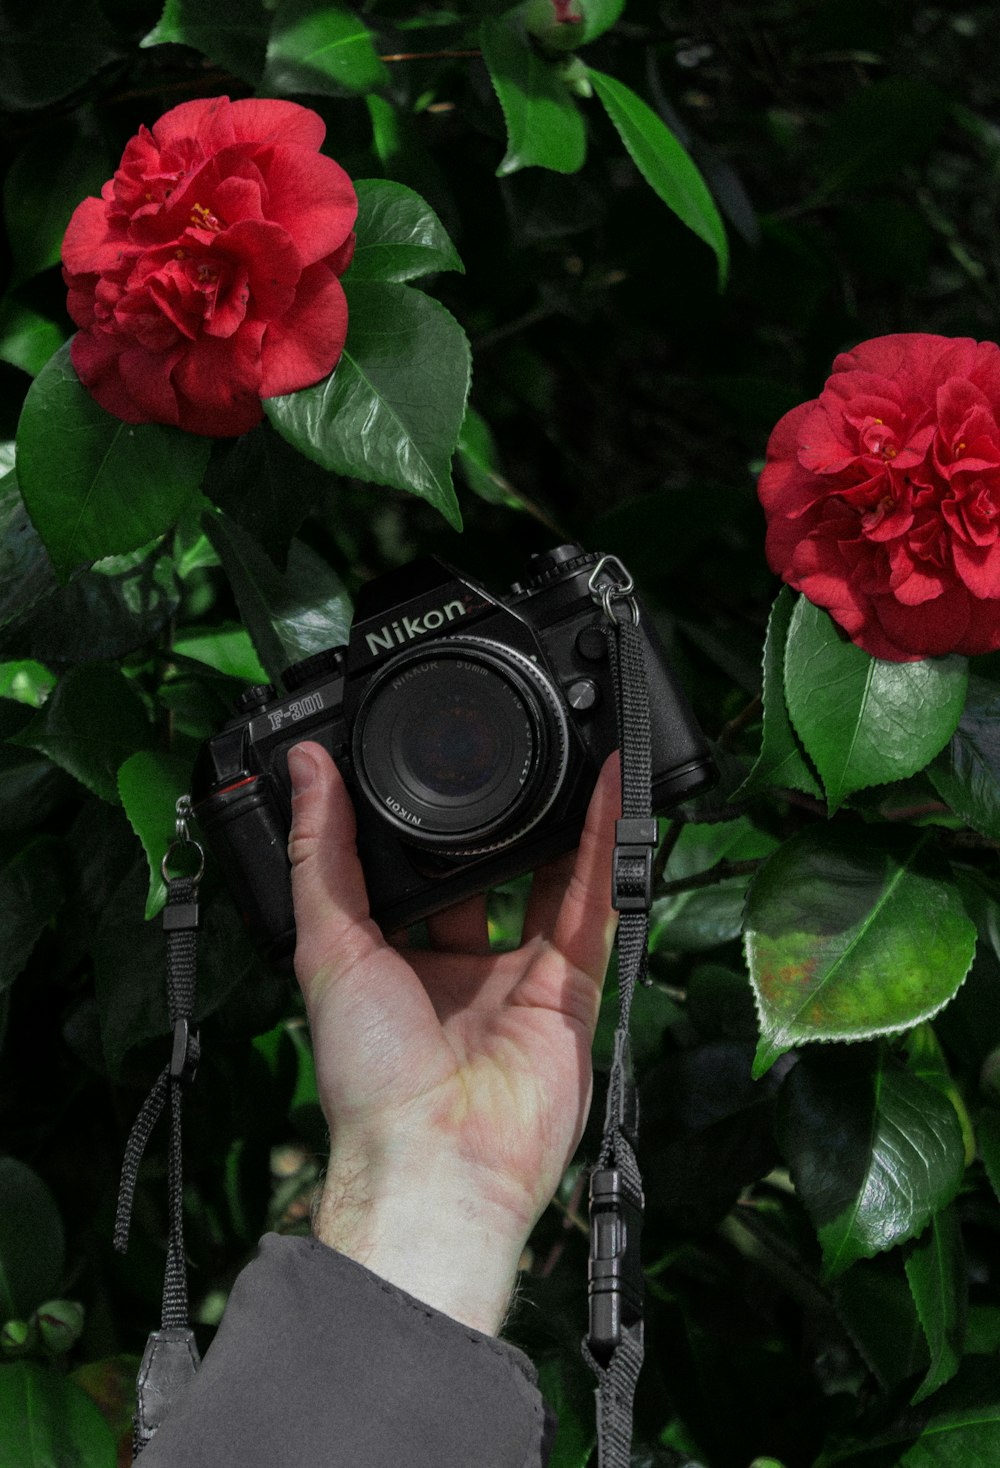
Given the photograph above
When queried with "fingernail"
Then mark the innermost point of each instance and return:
(301, 768)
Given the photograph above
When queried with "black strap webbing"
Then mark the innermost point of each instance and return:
(614, 1345)
(171, 1356)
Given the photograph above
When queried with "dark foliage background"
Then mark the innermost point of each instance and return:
(623, 400)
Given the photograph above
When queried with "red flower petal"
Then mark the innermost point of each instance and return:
(218, 384)
(263, 120)
(311, 196)
(306, 343)
(979, 568)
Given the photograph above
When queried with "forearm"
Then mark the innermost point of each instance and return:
(429, 1231)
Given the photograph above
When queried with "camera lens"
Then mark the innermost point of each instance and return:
(463, 748)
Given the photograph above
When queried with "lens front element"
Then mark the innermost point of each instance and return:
(462, 747)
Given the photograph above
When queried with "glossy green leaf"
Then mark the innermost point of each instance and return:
(228, 649)
(781, 763)
(50, 50)
(322, 49)
(959, 1427)
(568, 1397)
(232, 33)
(25, 569)
(55, 170)
(288, 616)
(149, 784)
(935, 1269)
(31, 786)
(266, 485)
(93, 616)
(875, 1305)
(27, 682)
(392, 410)
(399, 236)
(599, 16)
(95, 486)
(850, 935)
(545, 127)
(664, 164)
(27, 339)
(967, 773)
(47, 1421)
(32, 888)
(32, 1242)
(90, 725)
(874, 1152)
(862, 720)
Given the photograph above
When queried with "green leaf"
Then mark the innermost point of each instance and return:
(781, 763)
(26, 682)
(93, 616)
(560, 1385)
(50, 50)
(288, 616)
(31, 786)
(865, 721)
(664, 164)
(545, 127)
(852, 934)
(32, 1242)
(47, 1421)
(477, 455)
(32, 889)
(960, 1428)
(873, 1152)
(56, 169)
(399, 236)
(322, 49)
(599, 16)
(228, 649)
(967, 773)
(90, 725)
(95, 486)
(875, 1306)
(149, 784)
(704, 917)
(265, 485)
(935, 1268)
(392, 410)
(27, 339)
(232, 33)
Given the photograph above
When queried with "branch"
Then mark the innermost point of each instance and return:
(712, 877)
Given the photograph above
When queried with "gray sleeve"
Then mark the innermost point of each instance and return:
(320, 1362)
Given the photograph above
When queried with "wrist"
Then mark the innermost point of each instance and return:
(431, 1232)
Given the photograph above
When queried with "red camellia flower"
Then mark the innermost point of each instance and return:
(883, 496)
(206, 276)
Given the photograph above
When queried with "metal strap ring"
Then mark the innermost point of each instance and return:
(168, 854)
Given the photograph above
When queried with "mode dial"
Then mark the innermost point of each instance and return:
(564, 560)
(321, 664)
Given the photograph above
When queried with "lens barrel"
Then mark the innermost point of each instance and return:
(462, 748)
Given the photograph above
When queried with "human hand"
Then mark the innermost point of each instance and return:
(456, 1082)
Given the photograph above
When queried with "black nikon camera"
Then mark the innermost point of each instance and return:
(469, 728)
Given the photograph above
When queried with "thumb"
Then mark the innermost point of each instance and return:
(328, 885)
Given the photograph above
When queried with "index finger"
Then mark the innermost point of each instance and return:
(570, 903)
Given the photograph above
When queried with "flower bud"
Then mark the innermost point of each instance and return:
(557, 24)
(18, 1337)
(60, 1323)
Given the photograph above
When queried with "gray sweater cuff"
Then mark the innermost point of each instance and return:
(319, 1361)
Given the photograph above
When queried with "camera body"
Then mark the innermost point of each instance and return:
(469, 728)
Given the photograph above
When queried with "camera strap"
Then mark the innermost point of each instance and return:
(171, 1356)
(613, 1347)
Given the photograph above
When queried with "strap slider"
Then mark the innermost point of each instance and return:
(185, 1053)
(178, 916)
(615, 1281)
(632, 864)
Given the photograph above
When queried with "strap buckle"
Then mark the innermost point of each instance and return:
(632, 864)
(185, 1053)
(615, 1281)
